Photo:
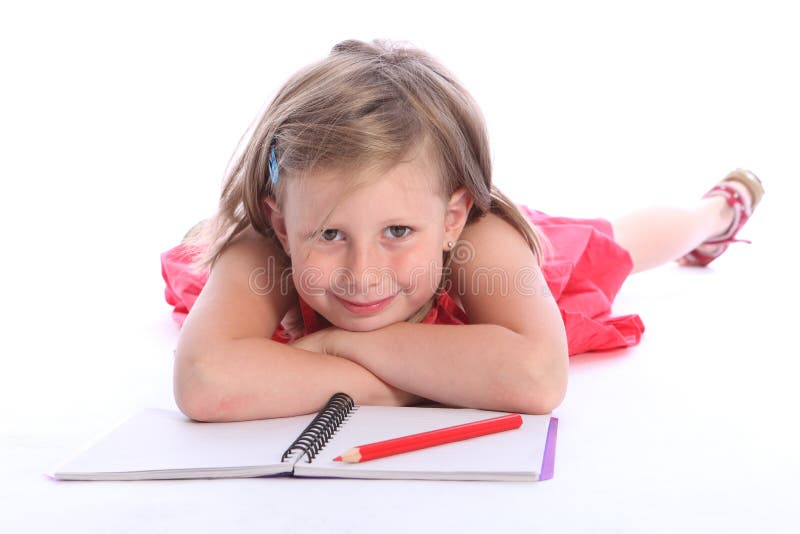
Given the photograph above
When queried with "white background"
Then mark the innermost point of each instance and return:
(117, 122)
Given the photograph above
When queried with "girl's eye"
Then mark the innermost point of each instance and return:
(399, 231)
(328, 233)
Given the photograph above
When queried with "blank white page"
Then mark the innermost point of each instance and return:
(510, 455)
(166, 444)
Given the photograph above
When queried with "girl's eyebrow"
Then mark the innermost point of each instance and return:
(399, 220)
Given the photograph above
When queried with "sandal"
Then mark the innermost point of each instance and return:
(705, 254)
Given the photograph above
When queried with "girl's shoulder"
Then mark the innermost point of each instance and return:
(260, 261)
(498, 278)
(250, 237)
(473, 239)
(485, 240)
(488, 226)
(254, 250)
(246, 294)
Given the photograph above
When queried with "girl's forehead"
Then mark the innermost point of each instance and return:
(409, 189)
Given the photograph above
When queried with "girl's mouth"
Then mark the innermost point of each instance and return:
(366, 308)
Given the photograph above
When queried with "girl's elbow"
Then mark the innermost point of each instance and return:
(195, 407)
(546, 386)
(194, 403)
(193, 394)
(542, 399)
(547, 399)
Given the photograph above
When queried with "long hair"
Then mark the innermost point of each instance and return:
(365, 104)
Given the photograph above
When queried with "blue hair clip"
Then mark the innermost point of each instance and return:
(273, 165)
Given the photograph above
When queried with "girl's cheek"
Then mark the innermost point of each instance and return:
(312, 276)
(414, 268)
(421, 274)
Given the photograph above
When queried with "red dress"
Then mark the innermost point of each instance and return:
(584, 271)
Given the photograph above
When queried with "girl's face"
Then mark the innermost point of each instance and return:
(378, 258)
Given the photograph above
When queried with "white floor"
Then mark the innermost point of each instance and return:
(117, 127)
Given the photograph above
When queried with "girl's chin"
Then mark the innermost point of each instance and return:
(363, 324)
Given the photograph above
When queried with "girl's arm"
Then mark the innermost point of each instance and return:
(512, 358)
(227, 368)
(482, 366)
(257, 378)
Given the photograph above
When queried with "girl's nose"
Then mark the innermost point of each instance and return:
(367, 272)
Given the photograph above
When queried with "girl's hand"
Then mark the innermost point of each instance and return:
(326, 341)
(362, 348)
(339, 342)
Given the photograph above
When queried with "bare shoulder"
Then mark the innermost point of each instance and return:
(494, 225)
(250, 242)
(499, 280)
(247, 293)
(491, 243)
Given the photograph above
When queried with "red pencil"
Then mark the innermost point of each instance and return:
(389, 447)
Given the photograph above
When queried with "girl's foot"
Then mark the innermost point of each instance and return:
(742, 191)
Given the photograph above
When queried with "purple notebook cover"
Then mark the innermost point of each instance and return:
(549, 458)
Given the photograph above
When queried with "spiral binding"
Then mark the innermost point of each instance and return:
(322, 427)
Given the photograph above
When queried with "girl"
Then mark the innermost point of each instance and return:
(360, 246)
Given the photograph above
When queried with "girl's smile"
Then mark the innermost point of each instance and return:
(366, 308)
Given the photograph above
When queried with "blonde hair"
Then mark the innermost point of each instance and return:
(364, 105)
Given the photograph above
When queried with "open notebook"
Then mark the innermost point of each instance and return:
(164, 444)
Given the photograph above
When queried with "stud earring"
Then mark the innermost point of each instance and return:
(450, 245)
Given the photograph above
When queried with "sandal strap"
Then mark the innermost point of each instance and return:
(713, 248)
(732, 196)
(741, 213)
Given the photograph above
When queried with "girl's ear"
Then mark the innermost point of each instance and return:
(277, 220)
(456, 214)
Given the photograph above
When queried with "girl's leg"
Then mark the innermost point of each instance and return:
(660, 234)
